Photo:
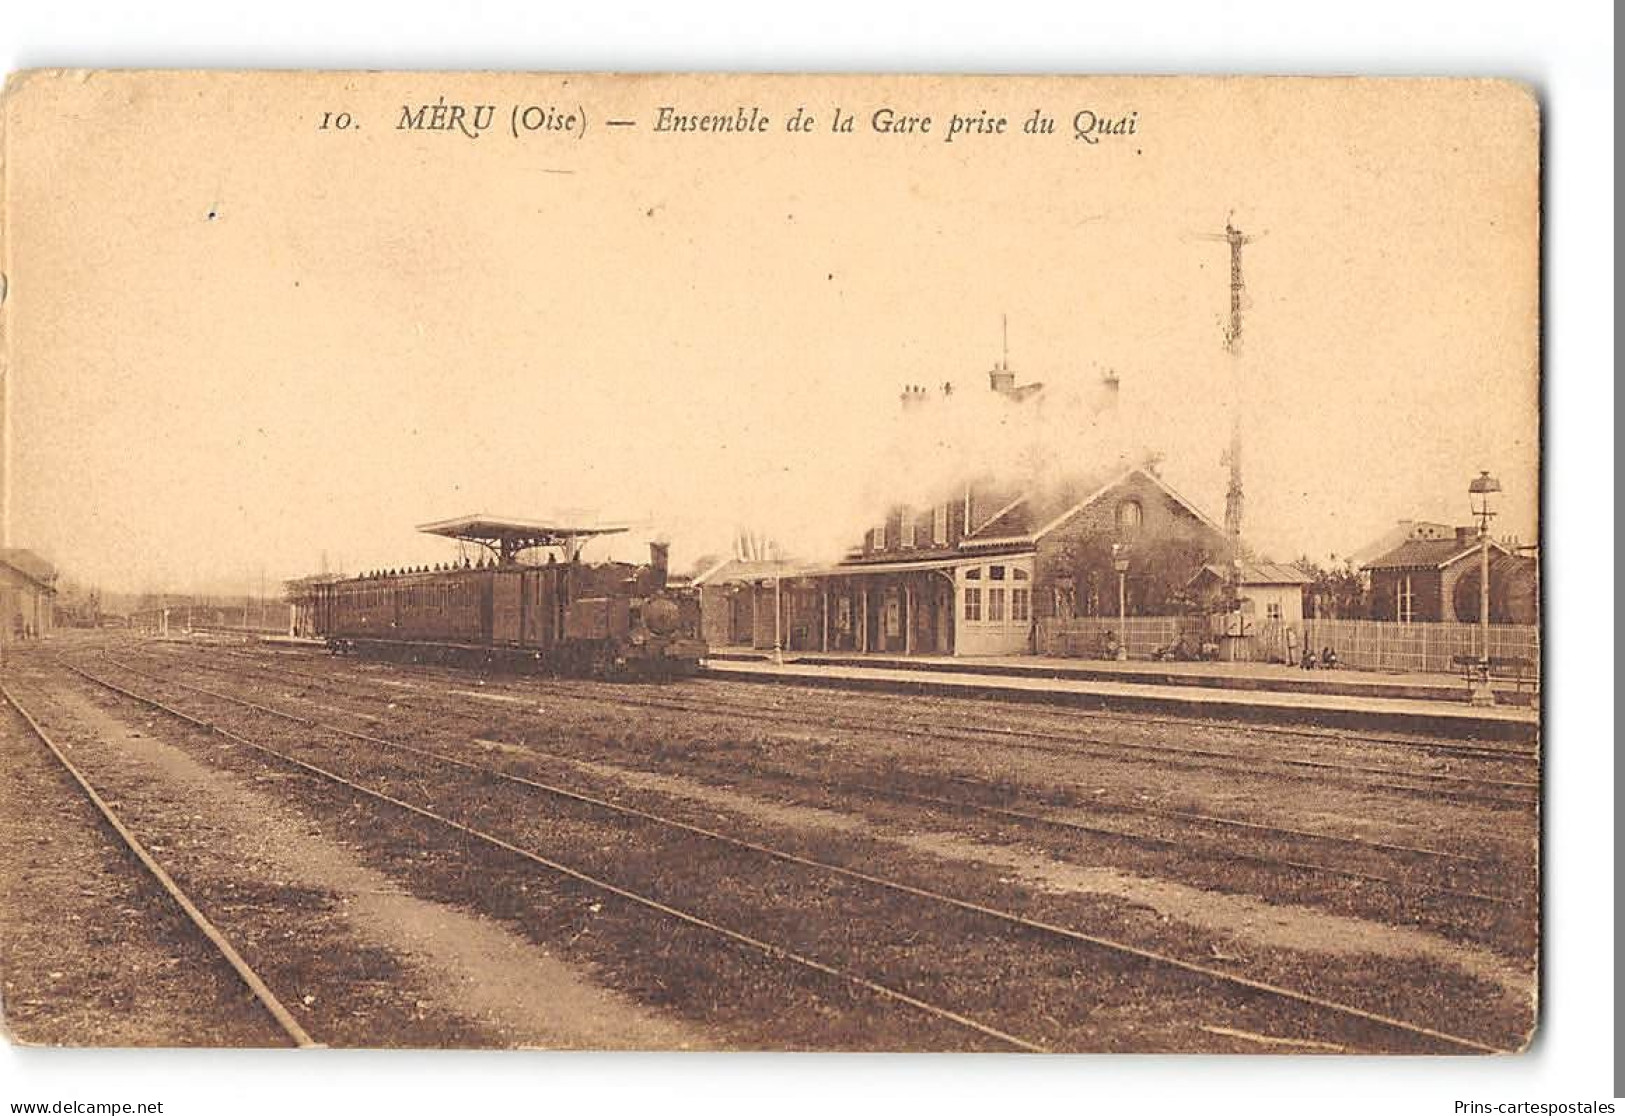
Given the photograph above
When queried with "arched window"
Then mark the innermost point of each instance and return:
(1129, 515)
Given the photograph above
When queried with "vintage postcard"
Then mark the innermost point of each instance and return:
(745, 562)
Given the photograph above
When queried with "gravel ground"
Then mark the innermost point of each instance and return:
(92, 950)
(798, 784)
(360, 960)
(1107, 796)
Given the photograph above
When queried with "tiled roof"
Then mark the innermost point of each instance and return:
(1040, 513)
(1036, 510)
(1401, 531)
(29, 564)
(1428, 554)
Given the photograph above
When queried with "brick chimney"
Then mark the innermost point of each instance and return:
(913, 395)
(1001, 379)
(1109, 385)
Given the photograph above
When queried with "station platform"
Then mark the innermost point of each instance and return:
(1427, 704)
(1208, 675)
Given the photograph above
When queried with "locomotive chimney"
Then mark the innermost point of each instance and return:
(659, 556)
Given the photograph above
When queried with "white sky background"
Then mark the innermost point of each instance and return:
(1567, 47)
(689, 334)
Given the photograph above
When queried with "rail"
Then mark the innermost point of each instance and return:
(1065, 933)
(262, 992)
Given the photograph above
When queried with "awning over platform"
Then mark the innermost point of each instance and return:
(859, 569)
(855, 569)
(508, 537)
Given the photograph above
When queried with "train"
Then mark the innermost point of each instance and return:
(601, 620)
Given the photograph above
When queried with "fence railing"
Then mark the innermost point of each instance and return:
(1424, 648)
(1359, 644)
(1085, 637)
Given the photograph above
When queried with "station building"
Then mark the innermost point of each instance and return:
(27, 595)
(974, 574)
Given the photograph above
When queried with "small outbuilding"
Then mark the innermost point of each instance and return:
(27, 595)
(1267, 622)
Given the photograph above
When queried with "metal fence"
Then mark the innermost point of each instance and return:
(1424, 648)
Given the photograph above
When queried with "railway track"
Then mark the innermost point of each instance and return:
(1432, 785)
(770, 950)
(1000, 791)
(1511, 753)
(1203, 849)
(256, 985)
(1122, 951)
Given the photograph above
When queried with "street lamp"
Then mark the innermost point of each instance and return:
(1482, 488)
(1120, 564)
(778, 615)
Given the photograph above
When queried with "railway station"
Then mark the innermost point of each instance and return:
(1033, 769)
(1261, 860)
(786, 703)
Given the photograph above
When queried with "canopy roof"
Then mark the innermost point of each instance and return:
(507, 537)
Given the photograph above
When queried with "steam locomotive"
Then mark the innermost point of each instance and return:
(609, 619)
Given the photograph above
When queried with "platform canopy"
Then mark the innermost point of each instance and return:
(507, 538)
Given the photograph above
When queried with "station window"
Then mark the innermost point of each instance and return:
(894, 615)
(973, 603)
(1020, 605)
(1129, 516)
(1272, 610)
(1021, 574)
(974, 574)
(843, 613)
(1404, 601)
(995, 604)
(995, 573)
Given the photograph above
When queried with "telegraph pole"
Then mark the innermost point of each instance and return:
(1233, 499)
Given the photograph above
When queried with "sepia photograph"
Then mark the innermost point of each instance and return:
(795, 562)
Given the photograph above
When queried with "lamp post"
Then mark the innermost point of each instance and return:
(1479, 492)
(778, 628)
(1120, 564)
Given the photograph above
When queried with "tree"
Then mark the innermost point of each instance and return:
(1336, 592)
(1159, 572)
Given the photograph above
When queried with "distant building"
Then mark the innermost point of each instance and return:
(971, 575)
(1437, 579)
(300, 593)
(1269, 599)
(27, 594)
(1403, 531)
(1268, 591)
(729, 616)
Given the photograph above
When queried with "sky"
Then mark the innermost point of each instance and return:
(240, 345)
